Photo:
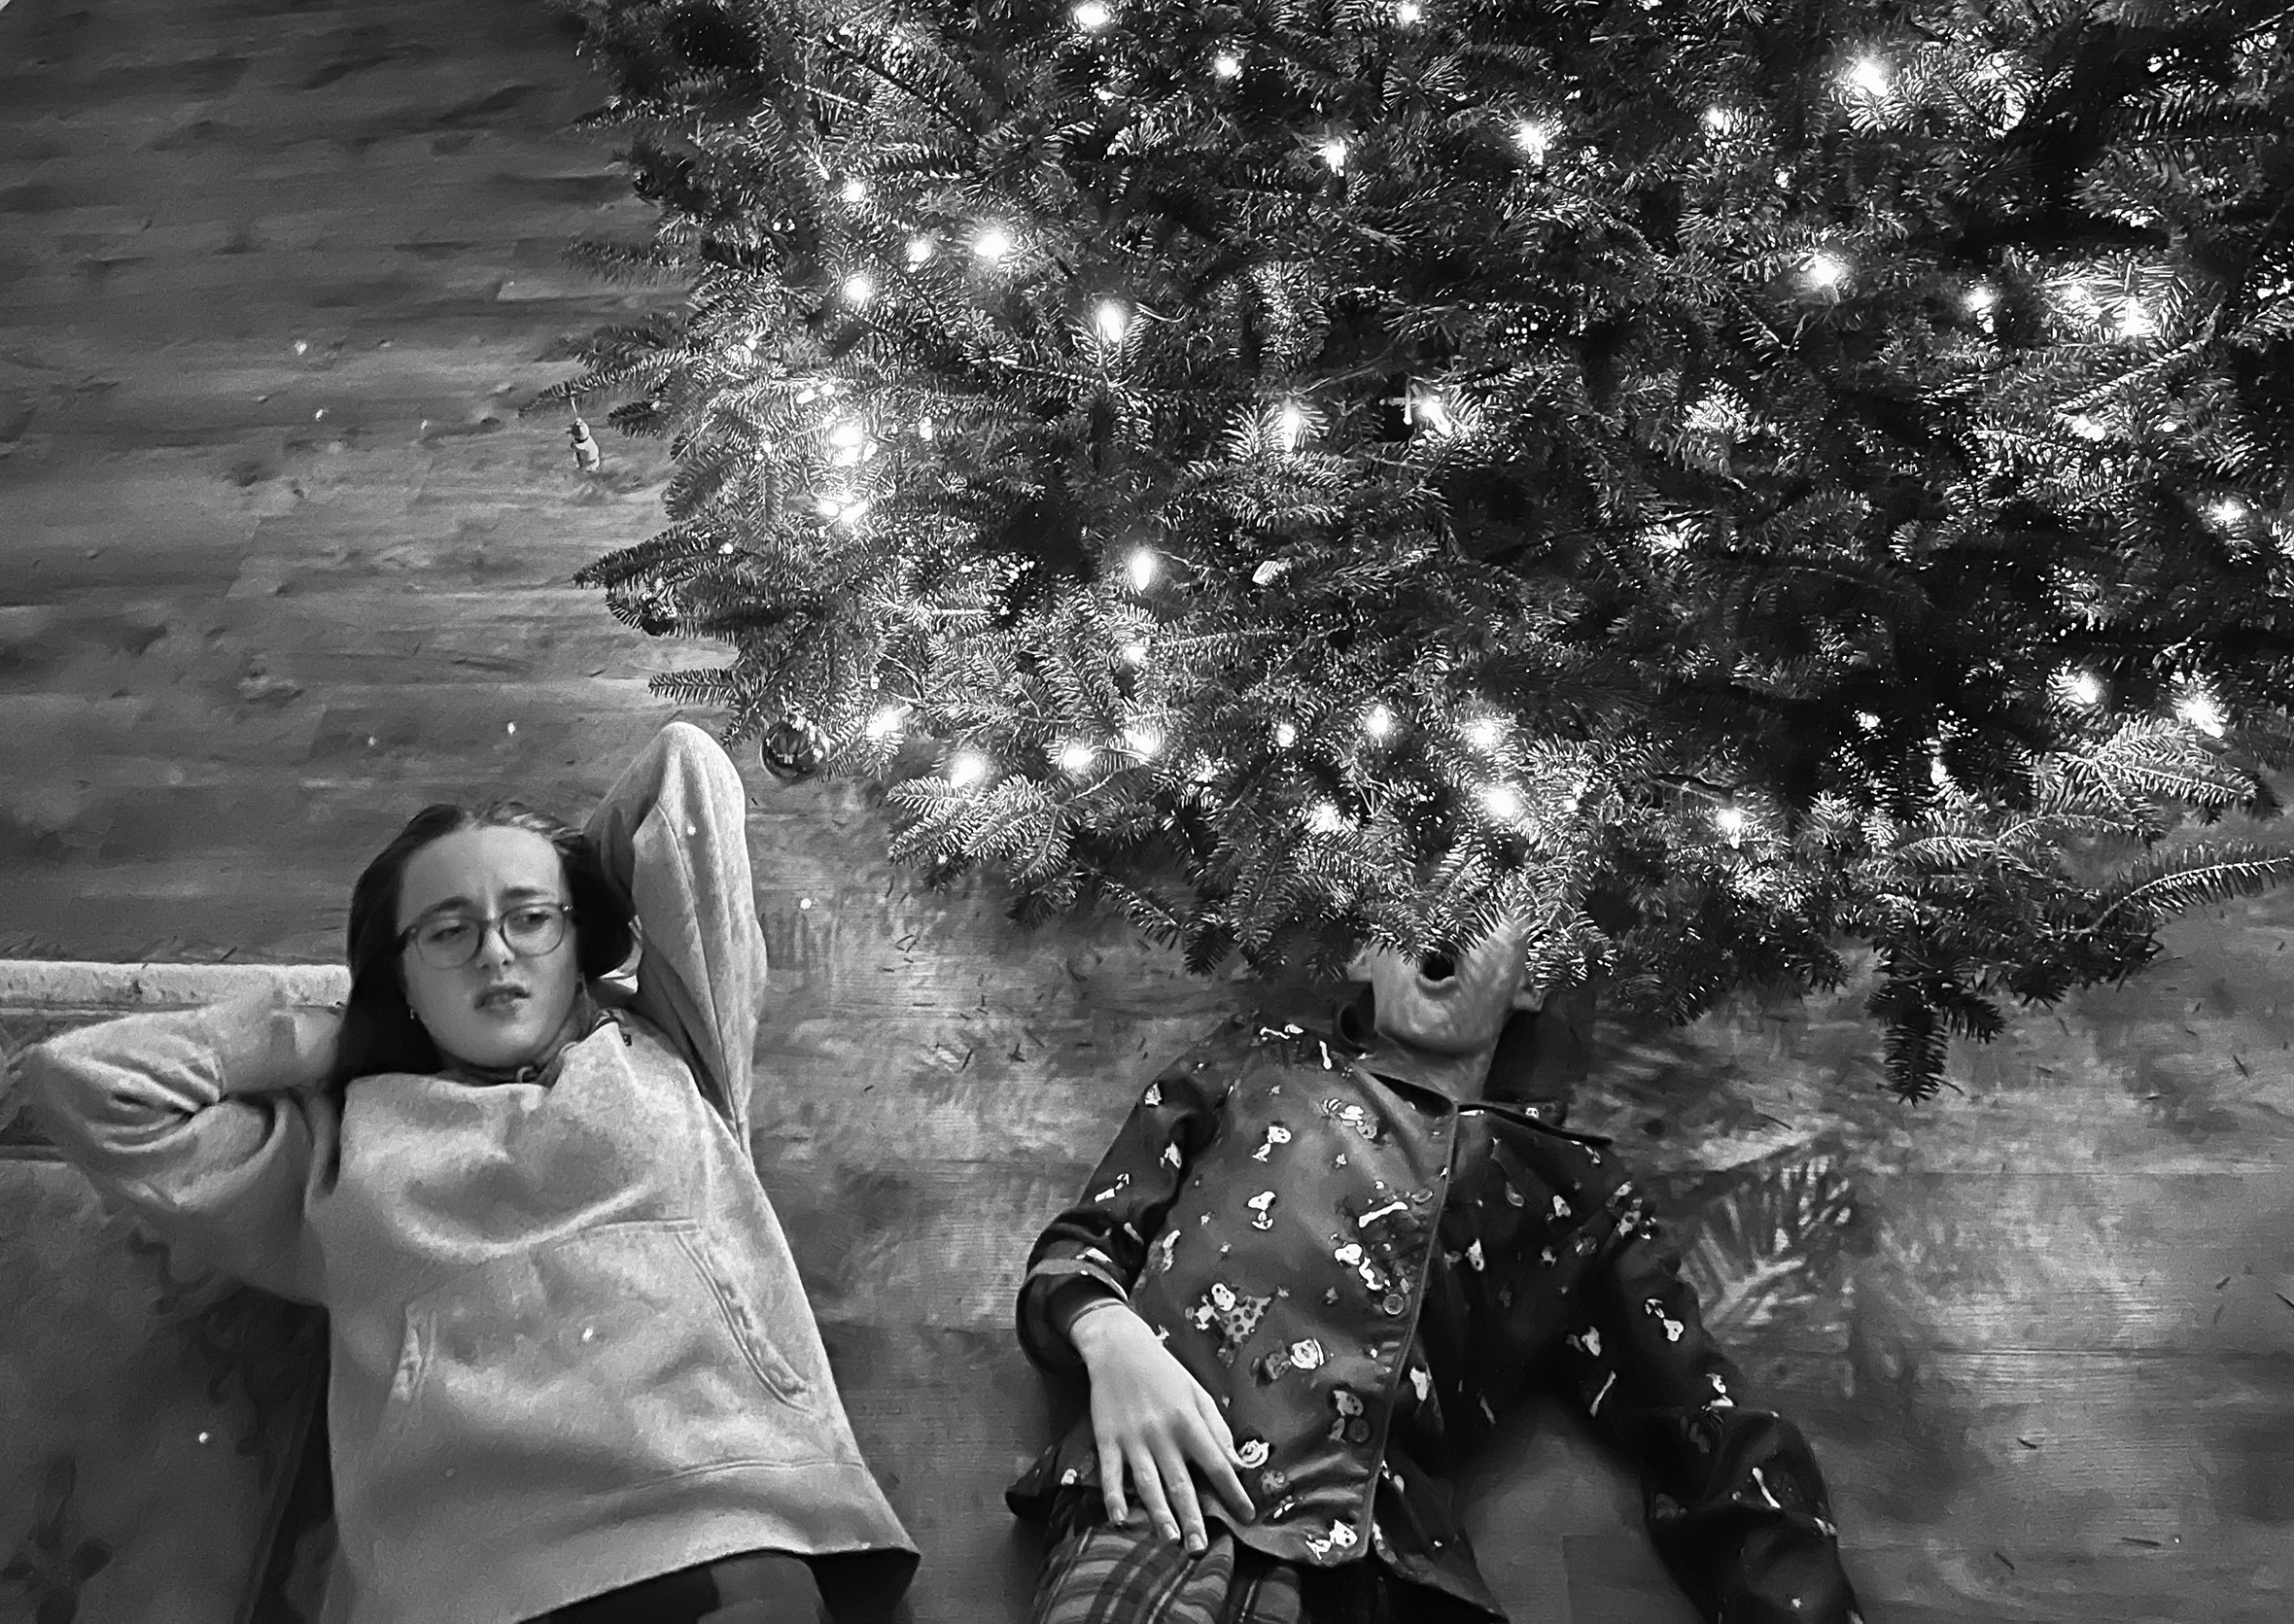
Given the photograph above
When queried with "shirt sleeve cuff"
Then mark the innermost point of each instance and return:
(1045, 1341)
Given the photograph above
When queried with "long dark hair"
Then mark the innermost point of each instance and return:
(379, 1031)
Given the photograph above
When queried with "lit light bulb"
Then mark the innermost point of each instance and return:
(854, 191)
(1870, 75)
(1482, 732)
(1145, 742)
(993, 243)
(924, 429)
(1227, 65)
(1867, 722)
(2202, 713)
(1827, 269)
(967, 769)
(1143, 568)
(1112, 320)
(1133, 654)
(1719, 119)
(1324, 818)
(920, 249)
(2227, 511)
(1937, 773)
(1429, 411)
(1332, 153)
(1409, 14)
(1293, 422)
(1077, 756)
(860, 287)
(1378, 722)
(2136, 322)
(1502, 803)
(2086, 428)
(847, 435)
(2085, 687)
(1533, 138)
(1730, 821)
(1285, 735)
(1092, 16)
(852, 514)
(885, 723)
(1982, 300)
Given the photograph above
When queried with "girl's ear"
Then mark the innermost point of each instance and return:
(1530, 998)
(1358, 967)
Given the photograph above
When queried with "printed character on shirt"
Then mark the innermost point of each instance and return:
(1363, 1262)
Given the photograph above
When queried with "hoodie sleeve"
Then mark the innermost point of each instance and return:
(674, 830)
(205, 1124)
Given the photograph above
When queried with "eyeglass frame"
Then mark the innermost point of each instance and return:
(490, 923)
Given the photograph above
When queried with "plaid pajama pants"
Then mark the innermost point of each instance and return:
(1100, 1572)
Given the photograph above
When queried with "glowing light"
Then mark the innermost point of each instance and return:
(2084, 686)
(1112, 320)
(924, 429)
(1133, 654)
(2227, 511)
(854, 191)
(1827, 269)
(1144, 740)
(1719, 119)
(1324, 818)
(1378, 722)
(847, 434)
(1293, 422)
(993, 243)
(1077, 756)
(1143, 568)
(2136, 322)
(885, 723)
(920, 249)
(1227, 65)
(1332, 153)
(1285, 735)
(1409, 14)
(2202, 713)
(1533, 138)
(1982, 300)
(967, 769)
(1484, 733)
(1937, 773)
(1429, 409)
(1867, 722)
(852, 514)
(860, 287)
(1870, 75)
(1730, 821)
(1502, 803)
(2086, 428)
(1092, 16)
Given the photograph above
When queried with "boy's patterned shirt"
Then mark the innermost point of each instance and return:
(1363, 1270)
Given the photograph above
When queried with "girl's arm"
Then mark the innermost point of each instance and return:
(674, 830)
(205, 1122)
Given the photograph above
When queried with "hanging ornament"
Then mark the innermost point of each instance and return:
(586, 455)
(655, 610)
(793, 749)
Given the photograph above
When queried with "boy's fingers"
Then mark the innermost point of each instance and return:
(1149, 1483)
(1111, 1483)
(1179, 1485)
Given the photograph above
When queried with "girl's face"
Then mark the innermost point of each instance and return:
(501, 1008)
(1451, 1009)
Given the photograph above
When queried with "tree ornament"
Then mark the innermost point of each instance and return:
(793, 749)
(586, 455)
(656, 611)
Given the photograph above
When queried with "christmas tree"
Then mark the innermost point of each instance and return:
(1742, 482)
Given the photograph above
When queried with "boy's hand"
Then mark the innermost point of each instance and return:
(1150, 1415)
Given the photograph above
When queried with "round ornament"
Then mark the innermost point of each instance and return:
(793, 749)
(653, 609)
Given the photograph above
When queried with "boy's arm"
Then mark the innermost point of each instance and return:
(1093, 1250)
(1736, 1504)
(205, 1122)
(674, 830)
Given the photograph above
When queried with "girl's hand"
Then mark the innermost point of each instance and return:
(1153, 1418)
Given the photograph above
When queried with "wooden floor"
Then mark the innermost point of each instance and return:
(283, 562)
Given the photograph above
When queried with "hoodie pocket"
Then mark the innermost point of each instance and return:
(621, 1354)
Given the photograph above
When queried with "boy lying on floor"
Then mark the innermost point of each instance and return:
(1303, 1278)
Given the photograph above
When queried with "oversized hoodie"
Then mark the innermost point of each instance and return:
(569, 1347)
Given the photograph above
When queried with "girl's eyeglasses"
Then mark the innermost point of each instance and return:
(450, 941)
